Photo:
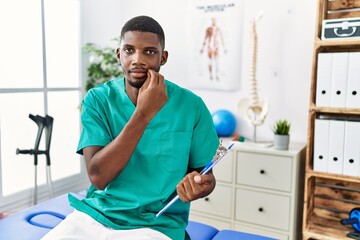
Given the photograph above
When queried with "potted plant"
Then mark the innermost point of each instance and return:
(281, 131)
(103, 64)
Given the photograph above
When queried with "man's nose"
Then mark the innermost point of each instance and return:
(137, 58)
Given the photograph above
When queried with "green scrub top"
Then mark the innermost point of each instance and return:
(180, 136)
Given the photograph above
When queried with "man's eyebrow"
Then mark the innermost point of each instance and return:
(127, 45)
(152, 48)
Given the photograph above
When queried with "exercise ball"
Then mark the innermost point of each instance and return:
(224, 122)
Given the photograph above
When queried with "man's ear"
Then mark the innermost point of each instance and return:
(117, 52)
(164, 57)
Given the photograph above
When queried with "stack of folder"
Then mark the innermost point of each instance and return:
(337, 140)
(337, 146)
(338, 80)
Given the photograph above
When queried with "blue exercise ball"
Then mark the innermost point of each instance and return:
(224, 122)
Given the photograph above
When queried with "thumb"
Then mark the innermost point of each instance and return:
(197, 179)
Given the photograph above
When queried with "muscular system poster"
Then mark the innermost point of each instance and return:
(214, 40)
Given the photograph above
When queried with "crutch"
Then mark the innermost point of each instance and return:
(40, 121)
(48, 132)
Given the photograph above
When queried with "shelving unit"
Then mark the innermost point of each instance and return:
(328, 198)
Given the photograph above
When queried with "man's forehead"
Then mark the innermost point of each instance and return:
(130, 35)
(145, 39)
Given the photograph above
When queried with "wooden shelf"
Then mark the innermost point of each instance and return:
(339, 44)
(327, 229)
(328, 198)
(324, 233)
(328, 110)
(311, 173)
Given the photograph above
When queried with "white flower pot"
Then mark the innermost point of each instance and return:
(281, 142)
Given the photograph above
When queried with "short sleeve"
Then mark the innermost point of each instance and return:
(95, 131)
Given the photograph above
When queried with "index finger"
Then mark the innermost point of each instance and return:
(147, 81)
(153, 77)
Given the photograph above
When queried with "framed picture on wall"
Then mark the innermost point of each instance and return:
(214, 38)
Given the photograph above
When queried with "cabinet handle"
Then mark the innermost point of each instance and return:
(261, 209)
(207, 199)
(262, 171)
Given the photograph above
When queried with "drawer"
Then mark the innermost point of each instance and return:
(223, 171)
(266, 171)
(264, 209)
(218, 203)
(259, 231)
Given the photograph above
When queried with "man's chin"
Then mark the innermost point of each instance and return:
(136, 83)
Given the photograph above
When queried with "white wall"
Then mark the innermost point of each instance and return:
(286, 34)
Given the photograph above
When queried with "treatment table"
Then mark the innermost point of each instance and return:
(34, 222)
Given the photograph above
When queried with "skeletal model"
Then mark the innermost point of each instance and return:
(251, 108)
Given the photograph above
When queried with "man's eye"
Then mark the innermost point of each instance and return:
(128, 50)
(150, 52)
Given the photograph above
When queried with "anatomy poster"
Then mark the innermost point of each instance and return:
(214, 44)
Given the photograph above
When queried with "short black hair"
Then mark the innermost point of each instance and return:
(144, 24)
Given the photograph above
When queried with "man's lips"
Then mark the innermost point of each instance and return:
(138, 73)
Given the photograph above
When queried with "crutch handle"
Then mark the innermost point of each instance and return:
(27, 151)
(31, 151)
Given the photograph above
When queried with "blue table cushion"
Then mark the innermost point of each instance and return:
(200, 231)
(34, 222)
(230, 234)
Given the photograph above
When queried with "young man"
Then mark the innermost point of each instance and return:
(144, 140)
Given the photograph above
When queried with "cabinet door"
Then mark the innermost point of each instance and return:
(264, 209)
(265, 171)
(218, 203)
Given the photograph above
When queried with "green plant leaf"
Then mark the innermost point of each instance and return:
(281, 127)
(103, 65)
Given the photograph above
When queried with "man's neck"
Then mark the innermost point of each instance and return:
(132, 93)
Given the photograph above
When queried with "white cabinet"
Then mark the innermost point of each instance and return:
(258, 190)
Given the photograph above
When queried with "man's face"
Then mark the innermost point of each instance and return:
(138, 52)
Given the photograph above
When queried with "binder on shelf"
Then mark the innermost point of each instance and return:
(339, 79)
(323, 82)
(352, 149)
(353, 84)
(336, 146)
(321, 145)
